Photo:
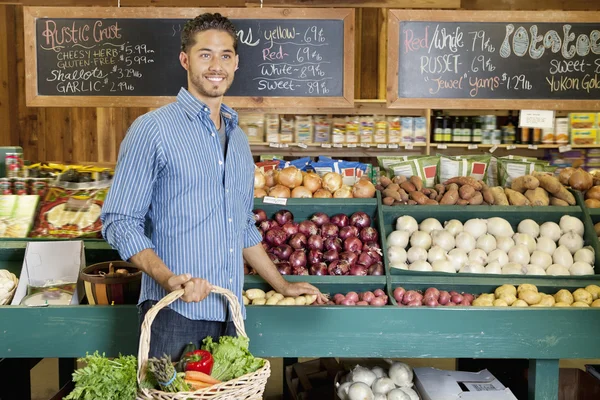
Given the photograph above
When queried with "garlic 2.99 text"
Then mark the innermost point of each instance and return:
(76, 32)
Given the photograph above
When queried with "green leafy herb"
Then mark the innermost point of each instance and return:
(232, 357)
(104, 378)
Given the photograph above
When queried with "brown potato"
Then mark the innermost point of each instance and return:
(388, 201)
(418, 197)
(392, 193)
(537, 197)
(440, 188)
(525, 182)
(592, 203)
(403, 195)
(500, 198)
(417, 181)
(408, 187)
(462, 202)
(385, 181)
(557, 202)
(400, 179)
(515, 198)
(476, 200)
(450, 197)
(431, 202)
(412, 202)
(393, 186)
(466, 192)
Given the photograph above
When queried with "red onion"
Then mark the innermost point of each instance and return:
(338, 298)
(399, 294)
(282, 252)
(308, 228)
(300, 271)
(290, 228)
(348, 231)
(368, 234)
(339, 267)
(365, 259)
(259, 215)
(331, 255)
(284, 268)
(283, 216)
(456, 298)
(352, 296)
(366, 296)
(268, 224)
(379, 293)
(298, 241)
(374, 254)
(358, 269)
(298, 259)
(266, 246)
(275, 237)
(315, 242)
(432, 292)
(319, 268)
(360, 219)
(319, 218)
(444, 297)
(273, 258)
(431, 302)
(332, 244)
(412, 295)
(378, 302)
(314, 256)
(376, 269)
(340, 220)
(329, 230)
(371, 246)
(354, 245)
(468, 297)
(349, 256)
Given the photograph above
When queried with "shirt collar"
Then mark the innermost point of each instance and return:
(194, 107)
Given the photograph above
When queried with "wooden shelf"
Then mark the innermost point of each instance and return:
(292, 149)
(515, 146)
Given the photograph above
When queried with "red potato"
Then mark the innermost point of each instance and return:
(432, 293)
(338, 298)
(352, 296)
(362, 303)
(367, 296)
(411, 296)
(444, 298)
(457, 298)
(451, 304)
(399, 294)
(348, 302)
(468, 297)
(430, 302)
(378, 293)
(414, 303)
(378, 302)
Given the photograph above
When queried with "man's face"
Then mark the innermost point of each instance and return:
(211, 63)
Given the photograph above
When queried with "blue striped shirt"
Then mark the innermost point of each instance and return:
(173, 178)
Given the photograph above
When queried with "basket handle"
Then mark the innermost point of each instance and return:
(144, 348)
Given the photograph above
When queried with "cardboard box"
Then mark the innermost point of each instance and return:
(51, 261)
(435, 384)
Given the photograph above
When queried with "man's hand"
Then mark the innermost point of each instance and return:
(299, 288)
(195, 289)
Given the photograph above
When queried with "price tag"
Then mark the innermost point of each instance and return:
(365, 145)
(274, 200)
(532, 147)
(338, 145)
(276, 145)
(283, 145)
(511, 147)
(409, 146)
(442, 146)
(565, 148)
(326, 145)
(493, 148)
(382, 146)
(472, 147)
(351, 145)
(302, 145)
(392, 146)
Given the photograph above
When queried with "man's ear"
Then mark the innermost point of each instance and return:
(237, 62)
(184, 60)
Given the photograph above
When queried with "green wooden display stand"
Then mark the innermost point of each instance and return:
(541, 335)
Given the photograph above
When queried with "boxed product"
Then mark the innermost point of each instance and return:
(420, 132)
(381, 130)
(561, 130)
(253, 126)
(394, 131)
(338, 135)
(287, 130)
(584, 136)
(407, 129)
(582, 120)
(272, 128)
(367, 129)
(353, 129)
(436, 384)
(322, 129)
(304, 128)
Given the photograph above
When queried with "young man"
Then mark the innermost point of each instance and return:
(180, 207)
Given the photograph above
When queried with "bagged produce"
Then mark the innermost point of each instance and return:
(512, 167)
(423, 167)
(474, 166)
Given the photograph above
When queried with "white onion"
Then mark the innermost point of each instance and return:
(398, 238)
(540, 258)
(458, 258)
(486, 243)
(513, 269)
(562, 256)
(364, 375)
(472, 268)
(443, 266)
(420, 265)
(568, 223)
(407, 223)
(499, 227)
(415, 254)
(498, 256)
(584, 255)
(545, 244)
(465, 241)
(533, 269)
(557, 269)
(519, 254)
(572, 241)
(399, 266)
(550, 230)
(453, 226)
(360, 391)
(525, 239)
(504, 243)
(476, 227)
(442, 238)
(420, 239)
(529, 227)
(581, 268)
(430, 224)
(478, 256)
(396, 254)
(383, 385)
(493, 268)
(436, 253)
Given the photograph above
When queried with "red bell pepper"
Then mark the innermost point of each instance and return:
(199, 360)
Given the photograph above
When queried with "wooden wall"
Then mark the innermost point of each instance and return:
(93, 134)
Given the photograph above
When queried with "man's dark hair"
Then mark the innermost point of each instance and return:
(203, 23)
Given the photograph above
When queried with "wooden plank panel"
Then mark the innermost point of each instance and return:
(127, 3)
(9, 134)
(358, 3)
(57, 129)
(85, 142)
(579, 5)
(368, 53)
(382, 60)
(249, 3)
(110, 131)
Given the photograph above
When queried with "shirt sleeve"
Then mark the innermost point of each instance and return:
(128, 201)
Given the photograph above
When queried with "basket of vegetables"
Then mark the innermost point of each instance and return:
(195, 385)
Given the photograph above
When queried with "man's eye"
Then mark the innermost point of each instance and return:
(205, 55)
(227, 56)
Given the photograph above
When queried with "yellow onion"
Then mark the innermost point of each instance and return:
(259, 179)
(290, 177)
(280, 191)
(270, 176)
(301, 192)
(363, 188)
(344, 192)
(312, 182)
(332, 181)
(322, 194)
(259, 193)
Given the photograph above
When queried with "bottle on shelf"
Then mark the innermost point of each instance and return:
(537, 136)
(467, 127)
(456, 130)
(525, 135)
(447, 128)
(476, 130)
(438, 129)
(508, 130)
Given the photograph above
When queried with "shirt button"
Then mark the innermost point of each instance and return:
(220, 162)
(212, 134)
(231, 281)
(231, 250)
(226, 190)
(230, 220)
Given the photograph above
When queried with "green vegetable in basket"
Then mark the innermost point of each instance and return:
(232, 357)
(104, 378)
(167, 378)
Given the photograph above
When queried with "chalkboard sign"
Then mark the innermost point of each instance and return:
(524, 57)
(110, 54)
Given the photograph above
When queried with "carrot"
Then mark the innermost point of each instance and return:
(200, 376)
(195, 385)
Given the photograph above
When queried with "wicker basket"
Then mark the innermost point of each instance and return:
(246, 387)
(11, 294)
